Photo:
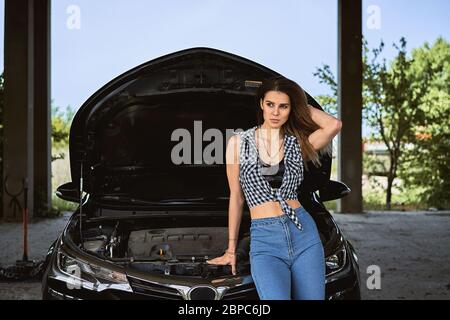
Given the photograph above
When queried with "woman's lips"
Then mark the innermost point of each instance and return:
(275, 120)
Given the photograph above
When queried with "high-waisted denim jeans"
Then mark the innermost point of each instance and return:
(286, 262)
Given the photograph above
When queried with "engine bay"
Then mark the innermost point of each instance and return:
(179, 251)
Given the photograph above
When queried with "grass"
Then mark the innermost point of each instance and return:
(61, 175)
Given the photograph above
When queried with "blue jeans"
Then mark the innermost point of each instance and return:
(287, 263)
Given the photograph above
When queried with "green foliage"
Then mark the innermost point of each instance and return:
(328, 102)
(59, 206)
(427, 162)
(61, 126)
(375, 165)
(61, 122)
(400, 100)
(392, 99)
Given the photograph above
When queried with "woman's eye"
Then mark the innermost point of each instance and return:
(282, 106)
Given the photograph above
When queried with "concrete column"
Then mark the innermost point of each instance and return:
(18, 162)
(350, 102)
(42, 109)
(27, 125)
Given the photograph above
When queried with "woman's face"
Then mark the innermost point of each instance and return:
(276, 107)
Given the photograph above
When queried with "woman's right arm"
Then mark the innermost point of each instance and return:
(236, 203)
(237, 200)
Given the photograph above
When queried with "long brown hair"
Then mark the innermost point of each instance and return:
(299, 122)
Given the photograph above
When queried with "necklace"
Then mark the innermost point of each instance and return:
(267, 149)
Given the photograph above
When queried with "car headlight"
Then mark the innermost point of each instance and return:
(87, 272)
(336, 261)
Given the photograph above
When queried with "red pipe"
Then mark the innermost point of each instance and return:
(25, 235)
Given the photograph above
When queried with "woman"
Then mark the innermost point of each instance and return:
(265, 168)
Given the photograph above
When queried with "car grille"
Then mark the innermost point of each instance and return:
(153, 290)
(242, 292)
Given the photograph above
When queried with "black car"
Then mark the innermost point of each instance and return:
(145, 225)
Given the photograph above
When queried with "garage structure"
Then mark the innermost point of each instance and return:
(27, 110)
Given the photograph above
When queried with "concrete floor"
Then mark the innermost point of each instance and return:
(412, 250)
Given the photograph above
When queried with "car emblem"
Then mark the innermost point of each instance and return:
(202, 293)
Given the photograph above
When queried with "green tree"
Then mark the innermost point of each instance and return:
(328, 101)
(392, 96)
(61, 121)
(427, 163)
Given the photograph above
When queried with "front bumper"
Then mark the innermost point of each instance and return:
(342, 285)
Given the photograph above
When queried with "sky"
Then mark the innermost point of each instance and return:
(94, 41)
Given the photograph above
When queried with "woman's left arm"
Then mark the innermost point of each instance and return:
(329, 128)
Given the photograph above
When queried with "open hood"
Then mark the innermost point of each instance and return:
(123, 138)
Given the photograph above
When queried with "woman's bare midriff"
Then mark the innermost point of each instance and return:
(271, 209)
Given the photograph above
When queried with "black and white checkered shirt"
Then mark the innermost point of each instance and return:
(256, 188)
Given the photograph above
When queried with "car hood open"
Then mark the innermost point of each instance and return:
(123, 137)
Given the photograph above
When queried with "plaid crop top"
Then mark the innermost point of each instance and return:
(256, 188)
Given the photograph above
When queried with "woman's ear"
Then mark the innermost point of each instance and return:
(261, 104)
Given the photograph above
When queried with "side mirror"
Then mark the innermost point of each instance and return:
(69, 192)
(333, 190)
